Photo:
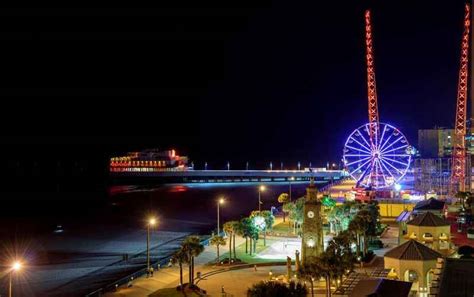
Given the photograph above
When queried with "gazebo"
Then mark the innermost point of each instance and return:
(431, 230)
(412, 262)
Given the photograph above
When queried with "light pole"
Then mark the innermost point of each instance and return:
(15, 267)
(219, 202)
(289, 182)
(151, 223)
(260, 190)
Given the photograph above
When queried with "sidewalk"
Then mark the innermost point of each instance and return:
(169, 276)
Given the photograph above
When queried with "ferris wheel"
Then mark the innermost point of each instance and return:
(381, 164)
(376, 155)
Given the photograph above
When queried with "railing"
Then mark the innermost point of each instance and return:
(129, 278)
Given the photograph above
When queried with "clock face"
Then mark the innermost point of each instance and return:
(310, 214)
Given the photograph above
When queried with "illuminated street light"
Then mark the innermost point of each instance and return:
(219, 202)
(16, 266)
(151, 223)
(260, 190)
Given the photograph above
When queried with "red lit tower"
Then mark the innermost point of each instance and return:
(458, 168)
(371, 92)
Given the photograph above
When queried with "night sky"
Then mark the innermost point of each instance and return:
(282, 81)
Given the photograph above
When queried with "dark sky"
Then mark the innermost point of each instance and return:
(282, 81)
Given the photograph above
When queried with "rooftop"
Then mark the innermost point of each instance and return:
(428, 219)
(413, 250)
(381, 287)
(430, 204)
(457, 278)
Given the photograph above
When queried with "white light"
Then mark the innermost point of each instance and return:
(16, 266)
(397, 187)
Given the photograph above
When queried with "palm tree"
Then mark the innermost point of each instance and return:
(193, 247)
(229, 230)
(217, 240)
(237, 231)
(316, 268)
(283, 199)
(179, 257)
(247, 230)
(463, 197)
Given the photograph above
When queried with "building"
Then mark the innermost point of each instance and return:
(312, 240)
(435, 143)
(381, 287)
(152, 160)
(453, 278)
(432, 175)
(432, 205)
(430, 230)
(412, 262)
(432, 168)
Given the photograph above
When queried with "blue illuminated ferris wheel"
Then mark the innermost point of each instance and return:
(381, 163)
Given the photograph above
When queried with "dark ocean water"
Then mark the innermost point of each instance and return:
(93, 218)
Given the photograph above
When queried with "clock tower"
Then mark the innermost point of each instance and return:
(312, 242)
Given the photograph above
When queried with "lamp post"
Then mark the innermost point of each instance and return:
(151, 223)
(15, 267)
(219, 202)
(289, 183)
(260, 190)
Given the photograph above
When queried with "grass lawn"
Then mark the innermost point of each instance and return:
(252, 259)
(283, 228)
(172, 292)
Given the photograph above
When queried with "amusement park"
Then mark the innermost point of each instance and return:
(389, 217)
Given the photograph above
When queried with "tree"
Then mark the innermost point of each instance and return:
(263, 220)
(289, 208)
(271, 289)
(359, 227)
(238, 230)
(296, 213)
(283, 199)
(374, 226)
(318, 267)
(340, 253)
(465, 198)
(217, 240)
(180, 257)
(193, 247)
(466, 252)
(247, 231)
(229, 228)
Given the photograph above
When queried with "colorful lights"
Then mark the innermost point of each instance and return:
(149, 161)
(381, 165)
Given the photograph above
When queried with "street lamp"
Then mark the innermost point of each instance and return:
(289, 182)
(151, 223)
(260, 190)
(219, 202)
(16, 266)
